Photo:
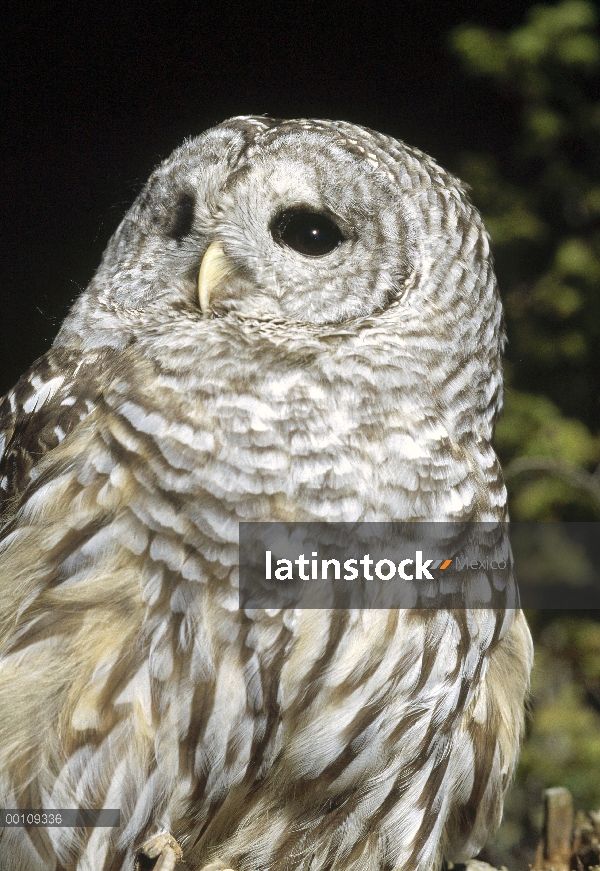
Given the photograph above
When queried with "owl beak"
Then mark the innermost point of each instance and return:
(214, 268)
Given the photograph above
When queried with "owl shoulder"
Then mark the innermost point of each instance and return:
(58, 391)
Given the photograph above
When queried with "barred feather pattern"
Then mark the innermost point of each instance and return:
(129, 677)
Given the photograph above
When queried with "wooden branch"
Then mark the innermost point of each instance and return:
(555, 849)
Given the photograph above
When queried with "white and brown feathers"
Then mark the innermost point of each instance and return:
(359, 384)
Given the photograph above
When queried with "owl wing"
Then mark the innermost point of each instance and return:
(70, 619)
(59, 390)
(99, 601)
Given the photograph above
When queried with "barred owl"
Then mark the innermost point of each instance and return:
(296, 320)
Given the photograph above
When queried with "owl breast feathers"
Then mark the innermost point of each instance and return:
(298, 321)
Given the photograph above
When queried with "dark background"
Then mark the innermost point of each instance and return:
(95, 96)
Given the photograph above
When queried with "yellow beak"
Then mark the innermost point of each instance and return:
(214, 268)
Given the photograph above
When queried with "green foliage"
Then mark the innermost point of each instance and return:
(540, 198)
(534, 426)
(562, 748)
(563, 742)
(556, 33)
(541, 203)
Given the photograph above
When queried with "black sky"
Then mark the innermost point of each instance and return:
(96, 95)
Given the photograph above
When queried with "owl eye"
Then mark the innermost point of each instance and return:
(307, 232)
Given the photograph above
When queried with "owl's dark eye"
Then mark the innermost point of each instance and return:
(307, 232)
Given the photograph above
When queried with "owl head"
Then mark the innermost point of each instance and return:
(321, 225)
